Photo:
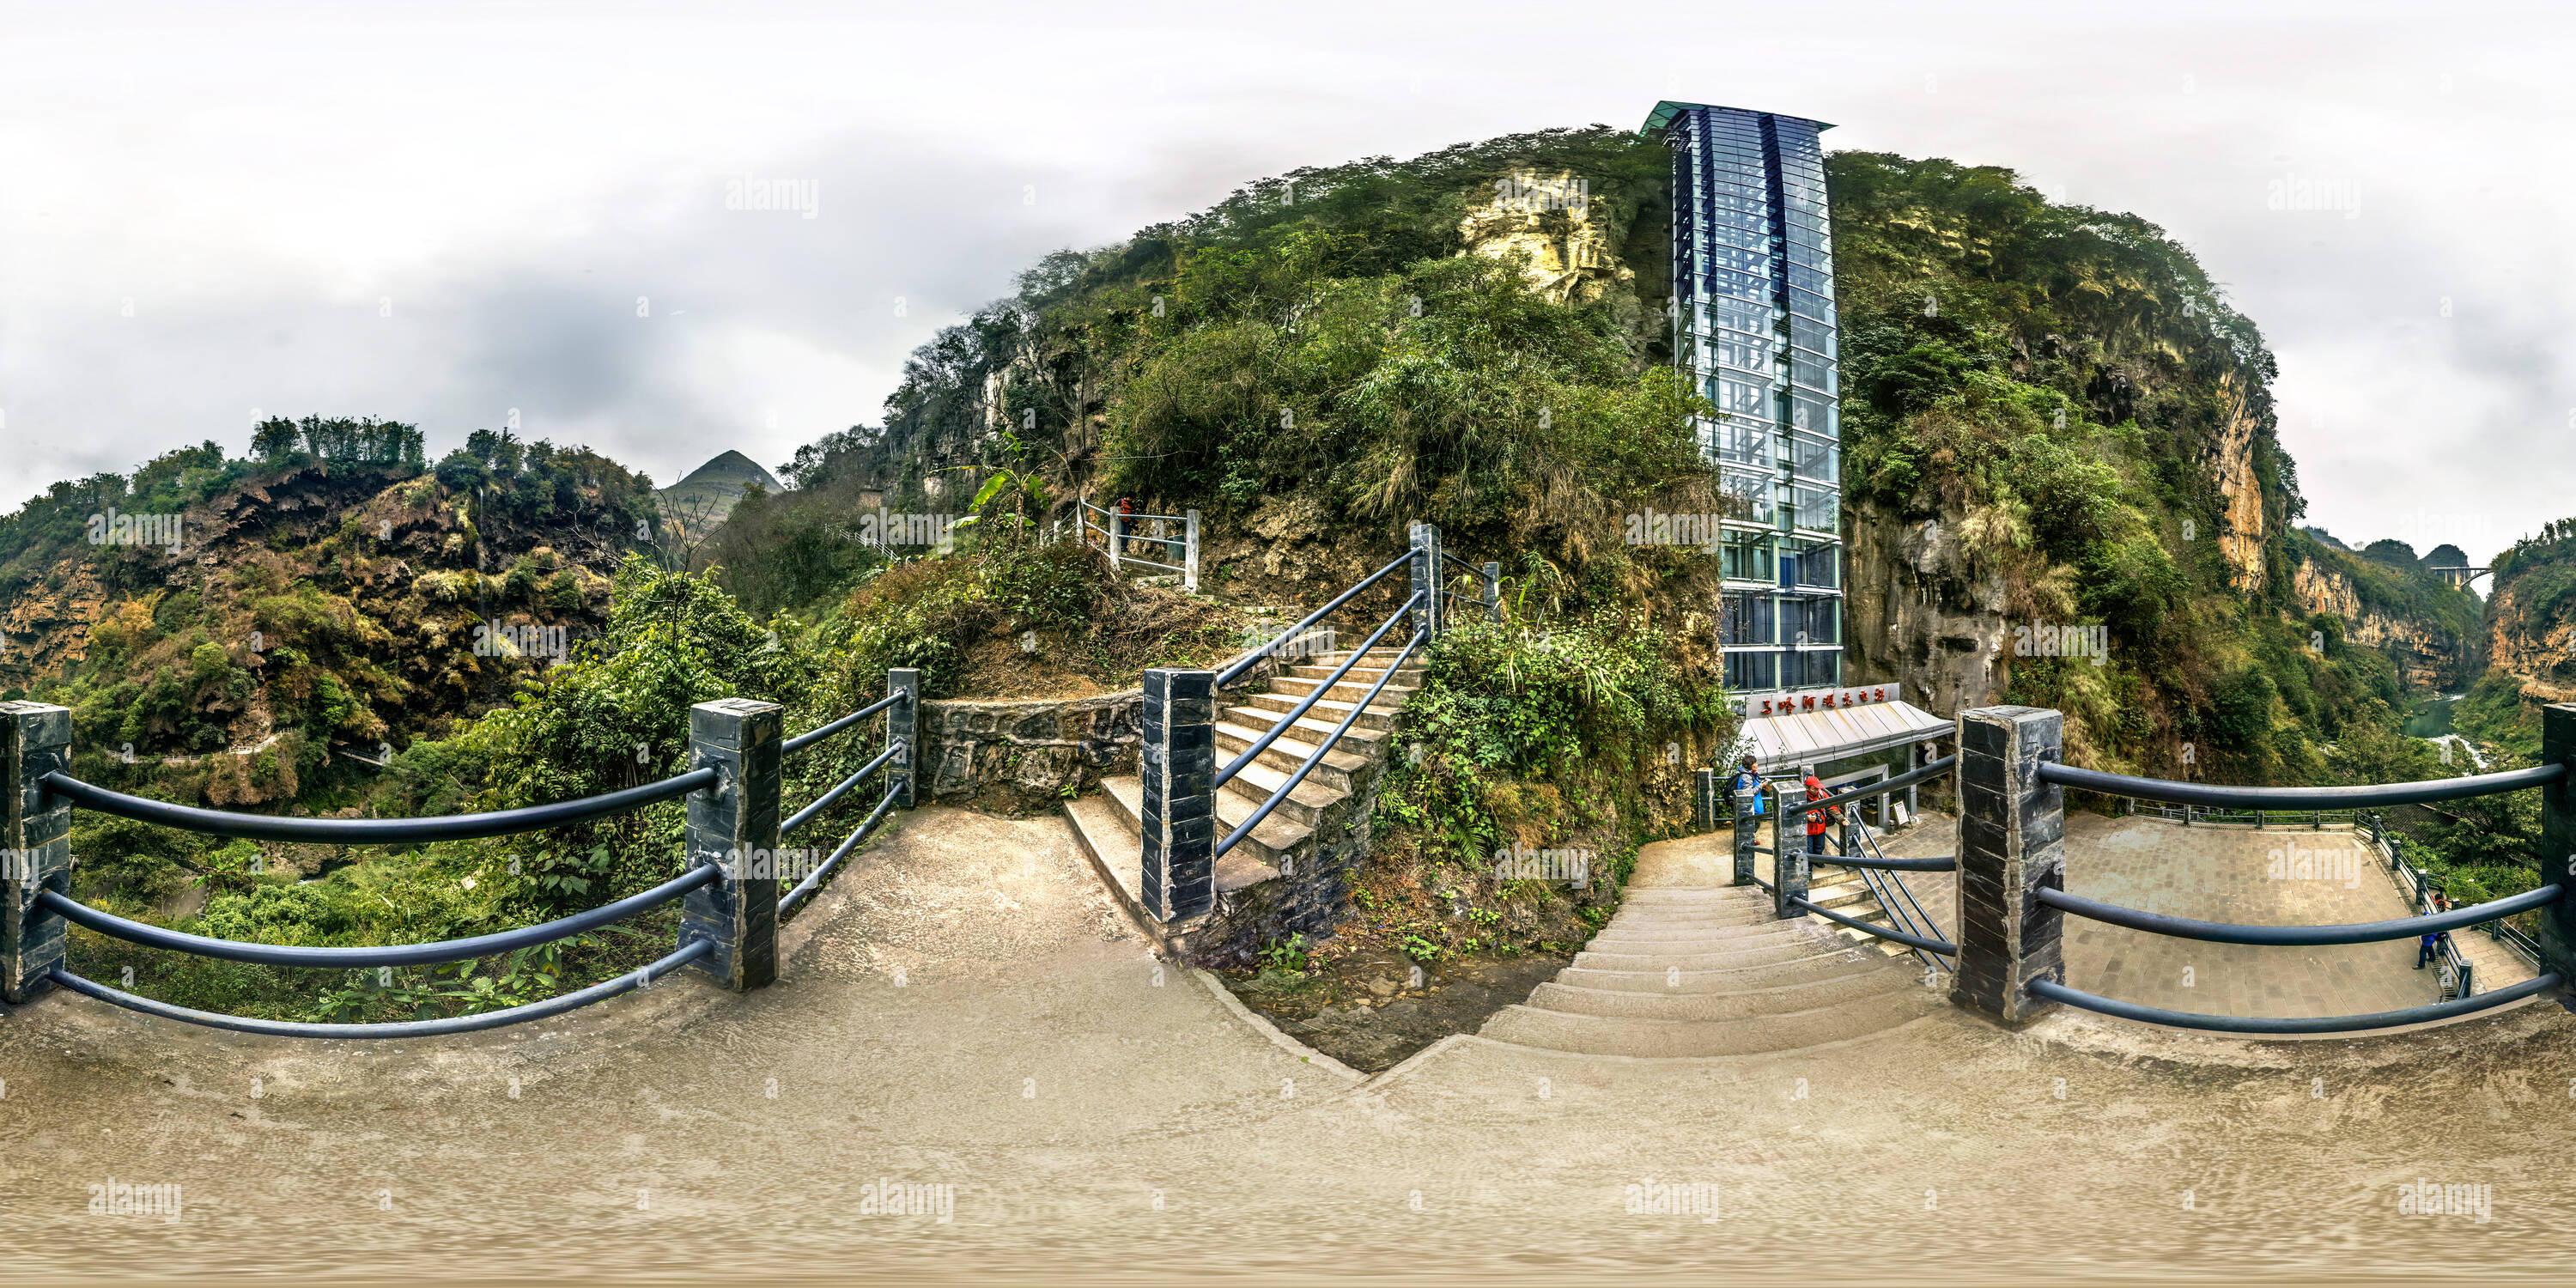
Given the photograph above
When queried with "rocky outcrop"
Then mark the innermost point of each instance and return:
(2542, 661)
(2230, 461)
(2430, 655)
(1571, 242)
(1920, 611)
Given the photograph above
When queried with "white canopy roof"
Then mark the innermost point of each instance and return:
(1798, 732)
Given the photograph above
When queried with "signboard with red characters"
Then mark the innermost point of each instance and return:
(1802, 701)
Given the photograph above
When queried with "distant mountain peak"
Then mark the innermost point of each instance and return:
(731, 467)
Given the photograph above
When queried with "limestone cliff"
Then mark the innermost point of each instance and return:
(2432, 653)
(1920, 610)
(2229, 460)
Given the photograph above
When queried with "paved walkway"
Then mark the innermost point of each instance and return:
(1088, 1124)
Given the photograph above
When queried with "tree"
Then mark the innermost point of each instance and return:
(274, 438)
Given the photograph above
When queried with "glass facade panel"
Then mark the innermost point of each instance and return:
(1753, 268)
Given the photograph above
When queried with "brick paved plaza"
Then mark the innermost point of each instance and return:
(2224, 874)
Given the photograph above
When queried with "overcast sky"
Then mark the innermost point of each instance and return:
(443, 214)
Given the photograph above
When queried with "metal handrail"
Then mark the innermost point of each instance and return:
(1942, 947)
(812, 736)
(605, 989)
(1867, 790)
(824, 801)
(1903, 907)
(1135, 514)
(1298, 712)
(1948, 864)
(2370, 932)
(2056, 992)
(1316, 757)
(445, 950)
(373, 831)
(1235, 669)
(814, 880)
(2439, 789)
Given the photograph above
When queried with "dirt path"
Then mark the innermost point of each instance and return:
(1092, 1124)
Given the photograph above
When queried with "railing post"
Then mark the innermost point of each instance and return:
(734, 825)
(2012, 841)
(903, 731)
(35, 844)
(1190, 551)
(1426, 578)
(1179, 767)
(1493, 592)
(1748, 833)
(1788, 856)
(2558, 847)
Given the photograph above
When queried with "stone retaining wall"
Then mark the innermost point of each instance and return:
(1022, 757)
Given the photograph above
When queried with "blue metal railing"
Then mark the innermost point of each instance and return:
(452, 827)
(2297, 798)
(1316, 757)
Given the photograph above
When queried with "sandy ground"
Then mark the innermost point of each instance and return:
(965, 1010)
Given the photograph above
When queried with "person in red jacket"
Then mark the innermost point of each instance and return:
(1817, 818)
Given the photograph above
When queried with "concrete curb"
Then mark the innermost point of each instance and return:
(1271, 1031)
(1142, 924)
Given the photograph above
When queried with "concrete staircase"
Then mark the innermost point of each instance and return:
(1842, 890)
(1710, 972)
(1110, 827)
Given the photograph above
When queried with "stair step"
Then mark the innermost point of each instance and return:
(1312, 727)
(1269, 844)
(1255, 782)
(1377, 718)
(1674, 1004)
(1762, 955)
(1286, 754)
(1612, 941)
(1631, 1036)
(1351, 689)
(1828, 963)
(1632, 915)
(1108, 834)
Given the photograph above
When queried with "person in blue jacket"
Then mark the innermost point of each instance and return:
(1747, 779)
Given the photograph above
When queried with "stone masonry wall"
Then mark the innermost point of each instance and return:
(1023, 757)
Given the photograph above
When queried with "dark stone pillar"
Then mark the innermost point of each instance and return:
(734, 825)
(35, 844)
(2558, 847)
(1788, 855)
(1704, 800)
(1179, 765)
(2012, 841)
(903, 731)
(1748, 833)
(1426, 579)
(1493, 592)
